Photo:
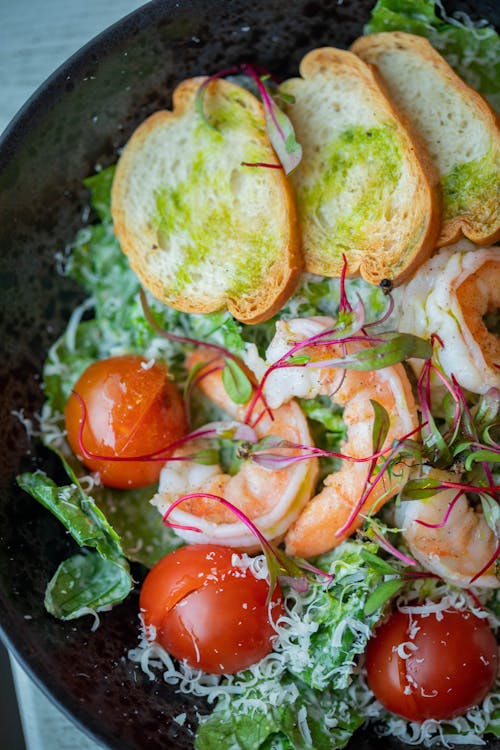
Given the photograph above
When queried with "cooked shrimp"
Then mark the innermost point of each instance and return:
(451, 295)
(318, 526)
(460, 547)
(271, 499)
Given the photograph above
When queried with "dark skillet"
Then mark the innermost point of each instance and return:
(79, 118)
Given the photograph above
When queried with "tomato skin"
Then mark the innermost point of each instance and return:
(450, 668)
(132, 409)
(208, 611)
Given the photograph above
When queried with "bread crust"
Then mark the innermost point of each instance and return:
(390, 256)
(370, 48)
(137, 241)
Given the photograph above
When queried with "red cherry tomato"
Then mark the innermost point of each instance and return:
(452, 664)
(208, 611)
(133, 409)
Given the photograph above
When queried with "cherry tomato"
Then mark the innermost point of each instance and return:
(133, 409)
(451, 664)
(208, 611)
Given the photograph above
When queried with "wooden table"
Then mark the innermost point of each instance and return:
(36, 37)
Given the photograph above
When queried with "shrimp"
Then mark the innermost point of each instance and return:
(271, 499)
(450, 295)
(460, 547)
(317, 528)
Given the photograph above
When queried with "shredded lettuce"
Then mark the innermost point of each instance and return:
(305, 719)
(334, 628)
(305, 695)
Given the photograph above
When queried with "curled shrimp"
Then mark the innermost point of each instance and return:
(323, 522)
(272, 499)
(451, 295)
(448, 536)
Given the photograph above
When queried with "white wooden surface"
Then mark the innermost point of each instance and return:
(36, 36)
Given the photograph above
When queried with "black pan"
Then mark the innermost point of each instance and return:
(77, 119)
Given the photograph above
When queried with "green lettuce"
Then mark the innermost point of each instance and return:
(83, 582)
(310, 699)
(304, 719)
(339, 627)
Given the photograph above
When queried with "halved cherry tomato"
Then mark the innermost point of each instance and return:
(133, 409)
(445, 666)
(209, 611)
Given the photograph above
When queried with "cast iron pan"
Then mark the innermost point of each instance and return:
(77, 119)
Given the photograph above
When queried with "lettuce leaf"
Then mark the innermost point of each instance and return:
(334, 625)
(82, 582)
(305, 719)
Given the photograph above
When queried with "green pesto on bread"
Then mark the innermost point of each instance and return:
(461, 131)
(201, 230)
(366, 188)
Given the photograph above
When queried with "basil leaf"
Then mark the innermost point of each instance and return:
(86, 582)
(77, 512)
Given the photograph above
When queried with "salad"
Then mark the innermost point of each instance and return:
(219, 438)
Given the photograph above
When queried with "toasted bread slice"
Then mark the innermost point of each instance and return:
(365, 189)
(201, 230)
(461, 131)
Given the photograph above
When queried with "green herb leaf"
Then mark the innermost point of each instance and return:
(280, 131)
(253, 722)
(481, 455)
(86, 582)
(487, 411)
(238, 386)
(77, 511)
(491, 510)
(378, 563)
(298, 359)
(207, 457)
(82, 582)
(420, 489)
(381, 424)
(396, 347)
(382, 594)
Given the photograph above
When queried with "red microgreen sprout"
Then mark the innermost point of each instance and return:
(395, 456)
(375, 533)
(278, 562)
(221, 351)
(278, 125)
(232, 430)
(488, 565)
(372, 352)
(261, 164)
(446, 516)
